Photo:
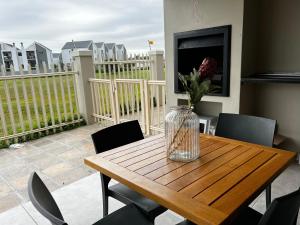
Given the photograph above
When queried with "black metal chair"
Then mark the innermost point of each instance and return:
(257, 130)
(43, 201)
(113, 137)
(282, 211)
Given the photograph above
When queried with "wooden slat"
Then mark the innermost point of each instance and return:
(217, 174)
(226, 183)
(151, 140)
(227, 175)
(132, 152)
(248, 189)
(50, 102)
(165, 175)
(220, 157)
(26, 100)
(139, 158)
(196, 212)
(17, 96)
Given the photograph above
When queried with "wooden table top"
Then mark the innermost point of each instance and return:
(228, 175)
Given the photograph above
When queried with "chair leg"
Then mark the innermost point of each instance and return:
(268, 195)
(105, 206)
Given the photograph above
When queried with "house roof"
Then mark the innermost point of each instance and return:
(10, 45)
(99, 44)
(37, 43)
(119, 46)
(77, 44)
(109, 45)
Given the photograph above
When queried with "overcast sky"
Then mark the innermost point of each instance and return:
(54, 22)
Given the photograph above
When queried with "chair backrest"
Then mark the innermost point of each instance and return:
(283, 210)
(117, 135)
(257, 130)
(43, 201)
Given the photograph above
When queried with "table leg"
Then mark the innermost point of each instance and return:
(268, 195)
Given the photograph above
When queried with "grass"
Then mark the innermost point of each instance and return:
(125, 74)
(36, 88)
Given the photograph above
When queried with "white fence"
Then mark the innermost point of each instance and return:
(119, 100)
(34, 104)
(37, 103)
(135, 67)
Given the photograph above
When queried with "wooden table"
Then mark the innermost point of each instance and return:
(209, 191)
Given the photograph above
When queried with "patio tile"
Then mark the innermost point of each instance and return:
(25, 151)
(58, 169)
(9, 201)
(72, 175)
(58, 149)
(16, 169)
(17, 216)
(73, 153)
(8, 159)
(43, 161)
(4, 189)
(41, 142)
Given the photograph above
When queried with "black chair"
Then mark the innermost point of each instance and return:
(257, 130)
(282, 211)
(43, 201)
(113, 137)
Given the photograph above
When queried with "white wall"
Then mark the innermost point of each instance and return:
(188, 15)
(271, 44)
(66, 56)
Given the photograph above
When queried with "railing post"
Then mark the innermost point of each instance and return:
(157, 64)
(83, 64)
(146, 108)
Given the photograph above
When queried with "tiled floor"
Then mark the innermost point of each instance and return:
(57, 158)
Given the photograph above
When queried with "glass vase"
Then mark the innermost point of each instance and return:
(182, 134)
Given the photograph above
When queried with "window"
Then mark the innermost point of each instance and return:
(19, 53)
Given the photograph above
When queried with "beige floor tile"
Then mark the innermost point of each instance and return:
(58, 169)
(9, 201)
(72, 175)
(4, 189)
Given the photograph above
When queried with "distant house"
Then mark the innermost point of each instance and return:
(99, 52)
(121, 52)
(69, 47)
(10, 55)
(110, 51)
(57, 59)
(36, 54)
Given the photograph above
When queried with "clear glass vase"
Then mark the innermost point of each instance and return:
(182, 134)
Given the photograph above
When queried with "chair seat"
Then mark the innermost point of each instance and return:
(247, 217)
(128, 215)
(185, 222)
(127, 196)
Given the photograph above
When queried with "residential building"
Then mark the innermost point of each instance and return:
(10, 56)
(121, 52)
(99, 52)
(57, 58)
(110, 51)
(69, 47)
(37, 54)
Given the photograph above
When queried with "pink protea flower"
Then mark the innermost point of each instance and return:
(208, 68)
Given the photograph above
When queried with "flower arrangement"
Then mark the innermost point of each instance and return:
(199, 82)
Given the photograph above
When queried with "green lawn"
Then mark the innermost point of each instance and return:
(124, 74)
(38, 86)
